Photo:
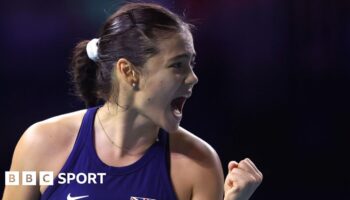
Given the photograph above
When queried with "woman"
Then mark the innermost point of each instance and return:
(141, 67)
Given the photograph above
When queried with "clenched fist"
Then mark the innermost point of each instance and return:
(242, 180)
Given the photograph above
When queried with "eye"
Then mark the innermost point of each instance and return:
(193, 64)
(177, 65)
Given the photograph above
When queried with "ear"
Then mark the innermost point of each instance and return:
(126, 71)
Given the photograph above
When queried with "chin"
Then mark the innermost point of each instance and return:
(168, 122)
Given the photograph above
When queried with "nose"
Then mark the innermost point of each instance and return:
(191, 78)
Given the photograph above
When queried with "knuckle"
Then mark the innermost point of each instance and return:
(253, 180)
(234, 170)
(261, 177)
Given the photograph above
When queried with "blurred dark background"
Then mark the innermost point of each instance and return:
(274, 82)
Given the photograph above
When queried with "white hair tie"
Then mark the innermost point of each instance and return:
(92, 49)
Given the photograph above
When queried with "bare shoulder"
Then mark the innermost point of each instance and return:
(44, 146)
(196, 165)
(45, 139)
(186, 144)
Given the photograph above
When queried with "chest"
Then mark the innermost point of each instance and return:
(179, 175)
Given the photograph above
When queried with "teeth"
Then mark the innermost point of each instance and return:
(177, 111)
(176, 107)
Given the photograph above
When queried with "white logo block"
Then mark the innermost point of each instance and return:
(11, 178)
(28, 178)
(46, 177)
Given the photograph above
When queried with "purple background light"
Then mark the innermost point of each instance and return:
(274, 79)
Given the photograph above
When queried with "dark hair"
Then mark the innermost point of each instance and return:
(132, 33)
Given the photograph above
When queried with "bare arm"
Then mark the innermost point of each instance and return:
(45, 141)
(241, 181)
(209, 178)
(24, 159)
(203, 172)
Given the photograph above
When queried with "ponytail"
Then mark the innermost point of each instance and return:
(83, 72)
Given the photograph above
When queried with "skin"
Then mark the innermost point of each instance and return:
(135, 129)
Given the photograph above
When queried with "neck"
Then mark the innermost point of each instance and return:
(130, 132)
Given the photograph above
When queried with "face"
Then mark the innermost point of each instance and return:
(166, 81)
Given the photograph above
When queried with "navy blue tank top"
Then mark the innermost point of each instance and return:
(146, 179)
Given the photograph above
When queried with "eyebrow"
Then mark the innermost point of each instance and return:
(184, 55)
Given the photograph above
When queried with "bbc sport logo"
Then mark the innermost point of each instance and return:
(46, 178)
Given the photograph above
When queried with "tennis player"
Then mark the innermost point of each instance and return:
(140, 70)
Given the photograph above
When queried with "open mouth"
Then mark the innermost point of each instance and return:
(177, 106)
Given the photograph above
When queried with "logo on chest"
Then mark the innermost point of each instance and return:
(69, 197)
(141, 198)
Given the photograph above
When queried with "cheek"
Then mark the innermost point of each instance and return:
(160, 93)
(154, 86)
(159, 89)
(154, 92)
